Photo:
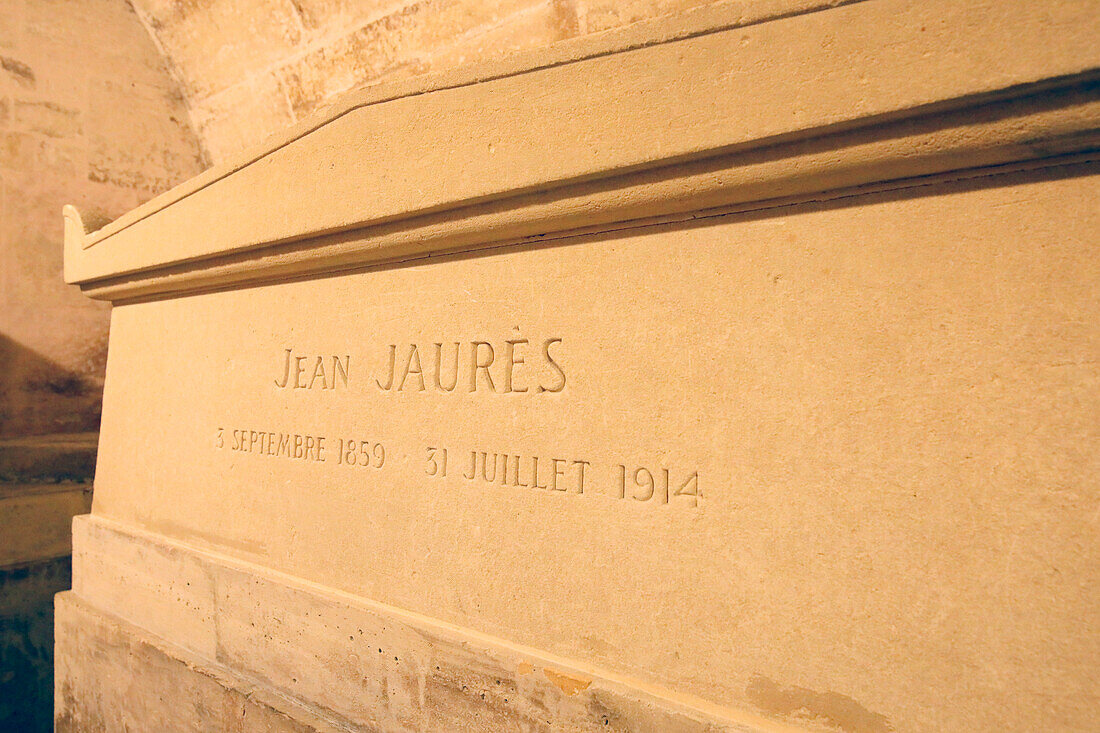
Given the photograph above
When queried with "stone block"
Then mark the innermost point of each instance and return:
(55, 127)
(601, 15)
(153, 167)
(112, 676)
(23, 151)
(400, 43)
(17, 71)
(740, 379)
(198, 32)
(367, 667)
(239, 117)
(329, 17)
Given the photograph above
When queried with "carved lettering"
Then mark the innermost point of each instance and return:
(439, 368)
(560, 380)
(286, 371)
(320, 377)
(300, 446)
(414, 359)
(512, 360)
(503, 367)
(393, 362)
(319, 371)
(479, 365)
(495, 470)
(340, 369)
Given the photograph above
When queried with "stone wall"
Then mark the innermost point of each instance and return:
(88, 116)
(250, 68)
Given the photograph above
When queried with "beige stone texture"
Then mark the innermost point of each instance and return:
(325, 660)
(772, 401)
(137, 682)
(88, 115)
(789, 142)
(896, 507)
(250, 68)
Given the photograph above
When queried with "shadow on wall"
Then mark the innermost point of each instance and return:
(26, 642)
(45, 475)
(38, 396)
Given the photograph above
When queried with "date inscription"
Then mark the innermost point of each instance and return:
(555, 473)
(568, 475)
(342, 451)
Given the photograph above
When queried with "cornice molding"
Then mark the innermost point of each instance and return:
(815, 105)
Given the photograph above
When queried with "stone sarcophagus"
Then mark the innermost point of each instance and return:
(737, 371)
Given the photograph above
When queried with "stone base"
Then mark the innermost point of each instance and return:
(111, 676)
(255, 650)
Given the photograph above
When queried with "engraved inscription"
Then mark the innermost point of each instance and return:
(362, 453)
(508, 366)
(303, 446)
(313, 372)
(473, 366)
(516, 365)
(526, 471)
(661, 484)
(570, 475)
(268, 443)
(556, 473)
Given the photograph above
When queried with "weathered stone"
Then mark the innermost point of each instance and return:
(18, 71)
(236, 118)
(740, 378)
(365, 665)
(53, 346)
(247, 66)
(112, 676)
(220, 42)
(63, 140)
(46, 118)
(600, 15)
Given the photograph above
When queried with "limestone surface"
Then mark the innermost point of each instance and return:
(732, 377)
